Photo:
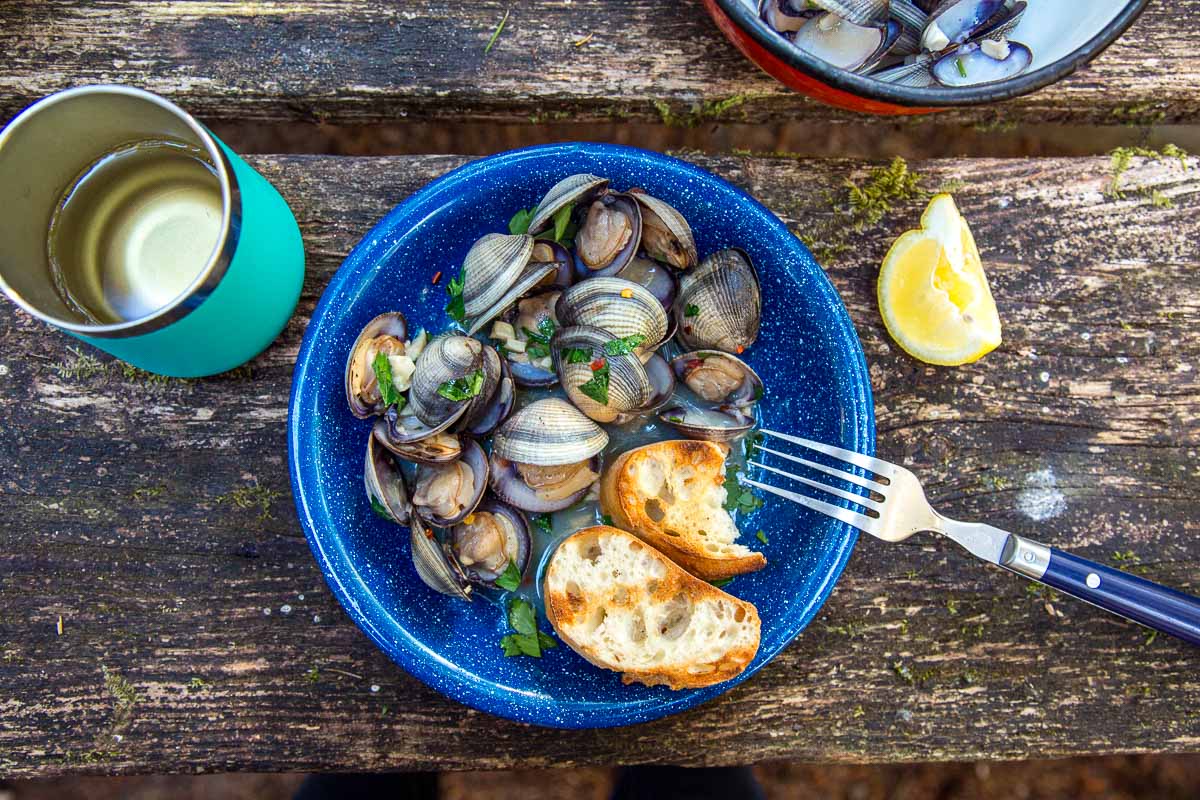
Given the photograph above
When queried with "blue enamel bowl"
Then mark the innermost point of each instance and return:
(807, 353)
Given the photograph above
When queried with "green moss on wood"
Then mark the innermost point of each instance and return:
(252, 497)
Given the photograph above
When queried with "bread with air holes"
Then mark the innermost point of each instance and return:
(625, 606)
(672, 495)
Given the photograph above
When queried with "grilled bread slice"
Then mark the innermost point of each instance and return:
(625, 606)
(672, 495)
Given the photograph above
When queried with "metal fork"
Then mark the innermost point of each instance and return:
(896, 509)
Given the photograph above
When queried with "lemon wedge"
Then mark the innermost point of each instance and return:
(933, 295)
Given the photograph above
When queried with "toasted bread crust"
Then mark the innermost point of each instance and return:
(566, 612)
(621, 499)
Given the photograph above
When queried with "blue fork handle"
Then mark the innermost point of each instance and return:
(1140, 600)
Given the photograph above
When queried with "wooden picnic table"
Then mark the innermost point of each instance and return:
(159, 607)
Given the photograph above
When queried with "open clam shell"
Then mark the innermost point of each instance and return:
(549, 432)
(385, 484)
(981, 62)
(457, 484)
(621, 379)
(436, 565)
(620, 307)
(412, 440)
(533, 313)
(609, 233)
(723, 390)
(844, 44)
(491, 267)
(785, 16)
(567, 192)
(489, 539)
(492, 366)
(666, 235)
(445, 359)
(548, 252)
(509, 485)
(386, 333)
(719, 306)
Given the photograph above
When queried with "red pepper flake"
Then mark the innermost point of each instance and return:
(437, 278)
(598, 364)
(687, 328)
(695, 363)
(740, 349)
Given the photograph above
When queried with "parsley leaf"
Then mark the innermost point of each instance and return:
(543, 523)
(738, 497)
(605, 519)
(462, 388)
(576, 355)
(624, 346)
(456, 308)
(597, 387)
(561, 218)
(383, 376)
(762, 537)
(528, 640)
(510, 579)
(691, 310)
(380, 509)
(539, 346)
(721, 582)
(520, 222)
(521, 616)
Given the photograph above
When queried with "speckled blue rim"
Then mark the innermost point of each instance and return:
(628, 706)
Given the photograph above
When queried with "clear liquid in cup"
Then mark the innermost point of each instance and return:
(135, 229)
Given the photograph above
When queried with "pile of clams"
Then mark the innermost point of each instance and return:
(919, 43)
(502, 415)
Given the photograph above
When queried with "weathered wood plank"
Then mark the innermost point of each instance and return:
(192, 625)
(364, 61)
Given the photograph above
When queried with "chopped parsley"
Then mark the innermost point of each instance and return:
(691, 310)
(528, 640)
(751, 442)
(543, 523)
(738, 497)
(962, 68)
(576, 355)
(456, 308)
(597, 387)
(383, 376)
(462, 388)
(539, 346)
(605, 519)
(720, 583)
(510, 579)
(624, 346)
(762, 536)
(520, 222)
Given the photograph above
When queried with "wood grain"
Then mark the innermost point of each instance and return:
(367, 61)
(154, 518)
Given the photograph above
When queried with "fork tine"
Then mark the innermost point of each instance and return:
(840, 474)
(858, 459)
(860, 521)
(824, 487)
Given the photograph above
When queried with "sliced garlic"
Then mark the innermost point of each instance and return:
(934, 38)
(402, 371)
(996, 48)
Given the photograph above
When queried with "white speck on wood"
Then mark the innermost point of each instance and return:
(1041, 499)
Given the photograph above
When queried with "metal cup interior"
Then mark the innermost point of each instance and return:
(44, 150)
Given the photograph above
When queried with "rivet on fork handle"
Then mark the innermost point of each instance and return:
(1025, 557)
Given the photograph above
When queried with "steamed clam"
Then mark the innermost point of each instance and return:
(606, 383)
(609, 233)
(385, 484)
(490, 540)
(666, 235)
(384, 335)
(544, 456)
(444, 493)
(624, 309)
(568, 192)
(525, 339)
(719, 305)
(436, 564)
(723, 390)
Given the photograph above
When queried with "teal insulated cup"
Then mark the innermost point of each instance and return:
(129, 225)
